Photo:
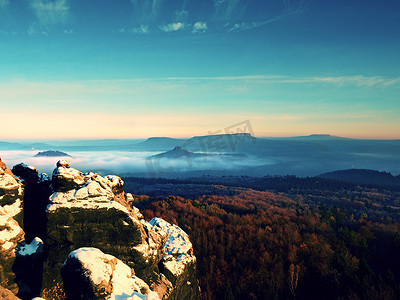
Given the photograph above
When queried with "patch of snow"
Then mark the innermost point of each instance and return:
(114, 180)
(8, 182)
(178, 241)
(92, 259)
(25, 166)
(177, 265)
(137, 212)
(43, 177)
(96, 190)
(31, 248)
(10, 230)
(13, 209)
(143, 248)
(105, 203)
(63, 163)
(137, 296)
(7, 245)
(124, 283)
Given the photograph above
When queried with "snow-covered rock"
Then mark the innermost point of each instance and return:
(90, 213)
(66, 178)
(11, 193)
(34, 247)
(11, 233)
(88, 272)
(177, 250)
(86, 211)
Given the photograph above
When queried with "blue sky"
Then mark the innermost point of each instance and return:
(140, 68)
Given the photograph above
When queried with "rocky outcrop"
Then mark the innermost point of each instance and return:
(88, 273)
(178, 263)
(11, 193)
(92, 235)
(88, 210)
(19, 261)
(11, 234)
(84, 211)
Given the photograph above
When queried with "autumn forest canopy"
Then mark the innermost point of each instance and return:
(285, 237)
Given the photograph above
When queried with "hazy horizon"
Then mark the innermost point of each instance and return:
(137, 139)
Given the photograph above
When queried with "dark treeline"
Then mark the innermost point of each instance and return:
(274, 183)
(304, 243)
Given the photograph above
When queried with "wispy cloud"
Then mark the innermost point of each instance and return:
(199, 27)
(228, 9)
(146, 10)
(291, 7)
(35, 29)
(50, 12)
(142, 29)
(172, 27)
(359, 80)
(356, 80)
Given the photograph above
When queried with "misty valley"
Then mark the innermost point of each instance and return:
(313, 217)
(218, 155)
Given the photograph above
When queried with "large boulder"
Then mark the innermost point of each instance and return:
(88, 273)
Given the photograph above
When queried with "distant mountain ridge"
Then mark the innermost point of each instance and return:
(317, 136)
(364, 176)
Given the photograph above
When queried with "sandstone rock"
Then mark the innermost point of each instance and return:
(11, 193)
(178, 263)
(88, 273)
(88, 211)
(163, 287)
(65, 178)
(10, 235)
(90, 214)
(4, 169)
(6, 294)
(11, 219)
